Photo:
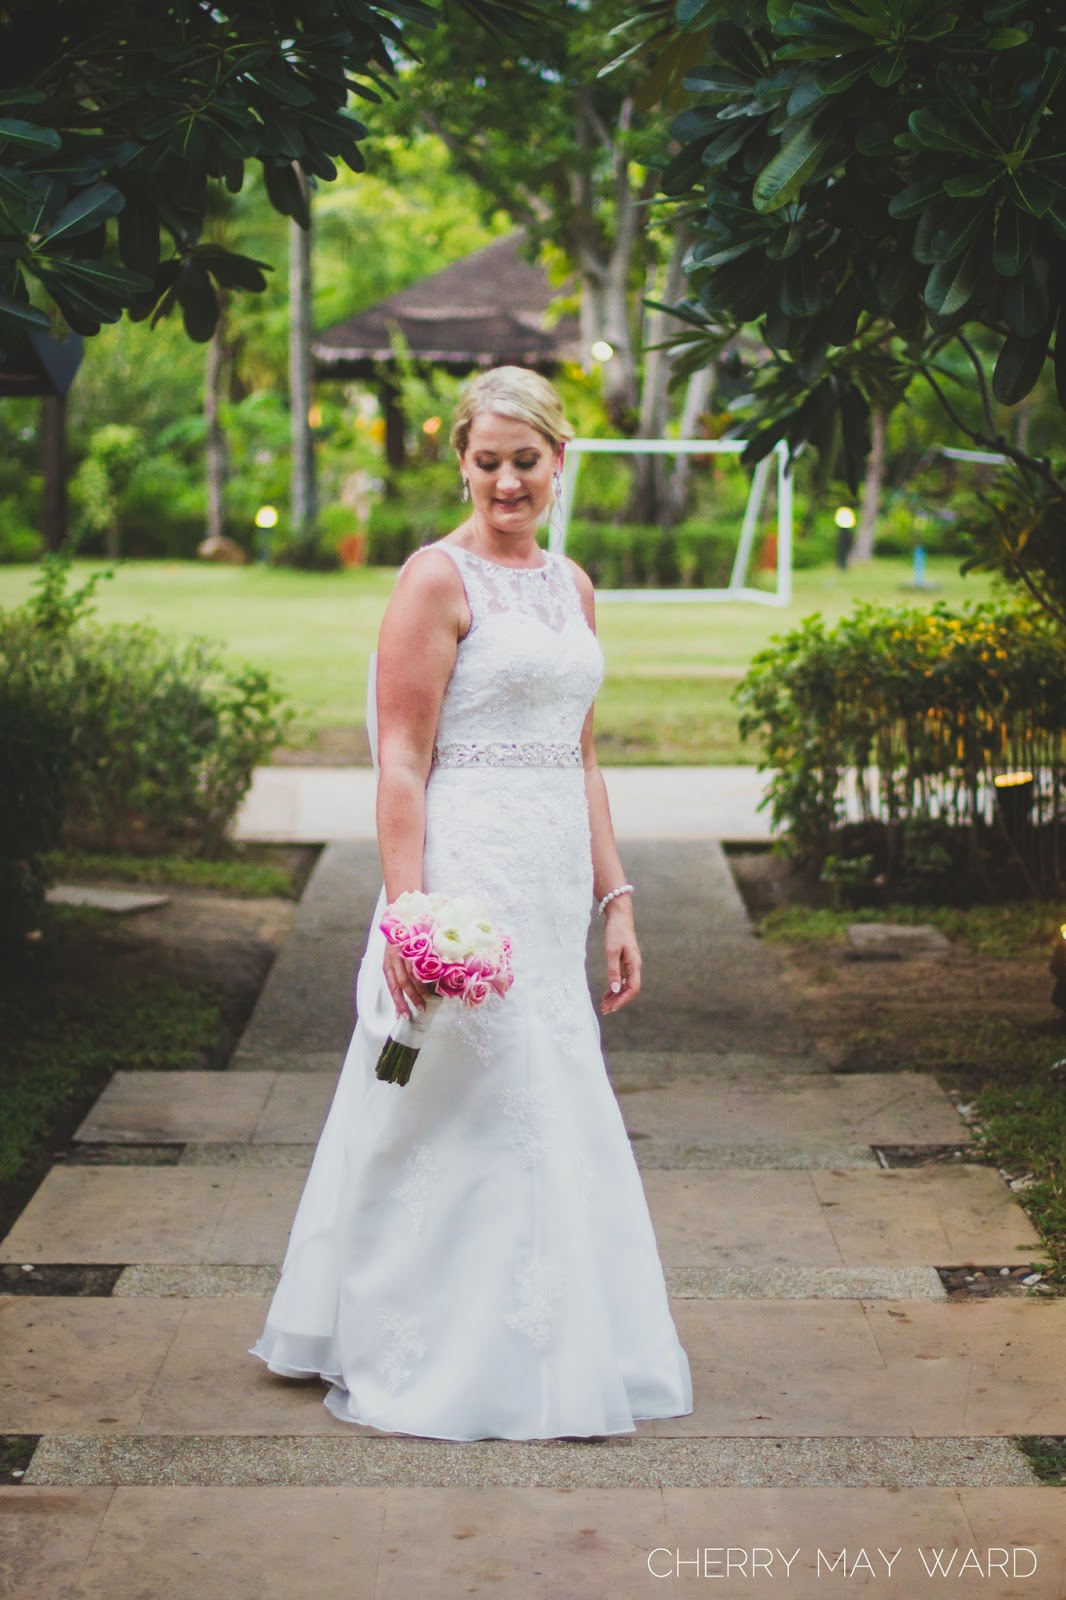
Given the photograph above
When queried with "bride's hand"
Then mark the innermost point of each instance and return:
(623, 957)
(408, 992)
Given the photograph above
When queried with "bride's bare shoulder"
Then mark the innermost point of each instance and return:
(429, 571)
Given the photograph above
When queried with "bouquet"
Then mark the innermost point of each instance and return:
(454, 949)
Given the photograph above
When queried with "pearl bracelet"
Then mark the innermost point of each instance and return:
(625, 888)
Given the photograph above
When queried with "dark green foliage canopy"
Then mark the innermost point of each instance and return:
(117, 117)
(872, 180)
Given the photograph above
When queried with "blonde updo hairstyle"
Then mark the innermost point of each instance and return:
(515, 392)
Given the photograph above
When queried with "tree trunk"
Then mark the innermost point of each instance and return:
(303, 500)
(697, 398)
(650, 502)
(871, 492)
(53, 521)
(216, 448)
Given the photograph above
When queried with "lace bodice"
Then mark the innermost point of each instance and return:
(530, 665)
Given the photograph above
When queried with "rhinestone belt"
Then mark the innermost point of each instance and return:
(507, 753)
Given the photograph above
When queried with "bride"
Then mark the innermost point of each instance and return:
(472, 1256)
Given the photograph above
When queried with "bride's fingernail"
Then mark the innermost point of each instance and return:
(615, 987)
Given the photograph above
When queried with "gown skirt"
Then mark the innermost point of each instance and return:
(472, 1256)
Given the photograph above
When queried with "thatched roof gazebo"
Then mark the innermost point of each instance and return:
(488, 309)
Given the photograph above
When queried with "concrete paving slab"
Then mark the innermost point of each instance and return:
(157, 1214)
(707, 982)
(80, 1364)
(324, 803)
(171, 1107)
(644, 1069)
(810, 1543)
(210, 1384)
(1033, 1519)
(938, 1216)
(943, 1215)
(45, 1537)
(306, 1008)
(171, 1543)
(752, 1219)
(925, 1368)
(116, 1214)
(992, 1366)
(889, 941)
(858, 1108)
(351, 1456)
(521, 1544)
(296, 1107)
(118, 901)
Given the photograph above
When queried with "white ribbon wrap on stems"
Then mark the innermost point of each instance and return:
(413, 1031)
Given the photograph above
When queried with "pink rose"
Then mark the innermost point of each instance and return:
(476, 992)
(415, 945)
(394, 930)
(502, 982)
(429, 967)
(452, 980)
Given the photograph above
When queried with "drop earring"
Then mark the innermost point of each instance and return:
(466, 489)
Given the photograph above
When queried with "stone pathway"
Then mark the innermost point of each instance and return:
(844, 1402)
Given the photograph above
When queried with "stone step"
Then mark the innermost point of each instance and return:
(706, 1109)
(932, 1216)
(761, 1369)
(558, 1542)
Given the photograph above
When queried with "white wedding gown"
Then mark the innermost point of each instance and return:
(472, 1256)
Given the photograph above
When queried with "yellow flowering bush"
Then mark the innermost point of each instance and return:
(914, 713)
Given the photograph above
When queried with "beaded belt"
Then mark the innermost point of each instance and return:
(507, 753)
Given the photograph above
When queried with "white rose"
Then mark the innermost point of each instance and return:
(448, 943)
(410, 905)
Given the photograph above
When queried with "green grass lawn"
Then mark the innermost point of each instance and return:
(670, 667)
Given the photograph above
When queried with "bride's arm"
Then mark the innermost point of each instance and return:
(622, 950)
(416, 653)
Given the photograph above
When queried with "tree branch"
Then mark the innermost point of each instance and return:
(995, 442)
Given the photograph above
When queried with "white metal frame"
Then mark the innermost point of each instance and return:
(737, 588)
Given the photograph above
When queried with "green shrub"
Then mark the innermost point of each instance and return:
(923, 709)
(163, 736)
(18, 540)
(35, 763)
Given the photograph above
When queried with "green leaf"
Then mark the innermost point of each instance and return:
(29, 134)
(138, 234)
(198, 300)
(801, 289)
(912, 201)
(23, 313)
(1019, 365)
(1032, 192)
(1011, 243)
(1060, 366)
(695, 13)
(1026, 302)
(933, 133)
(968, 185)
(784, 177)
(951, 284)
(889, 68)
(86, 211)
(957, 231)
(231, 270)
(1005, 39)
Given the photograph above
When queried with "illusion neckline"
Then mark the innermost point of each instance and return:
(488, 562)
